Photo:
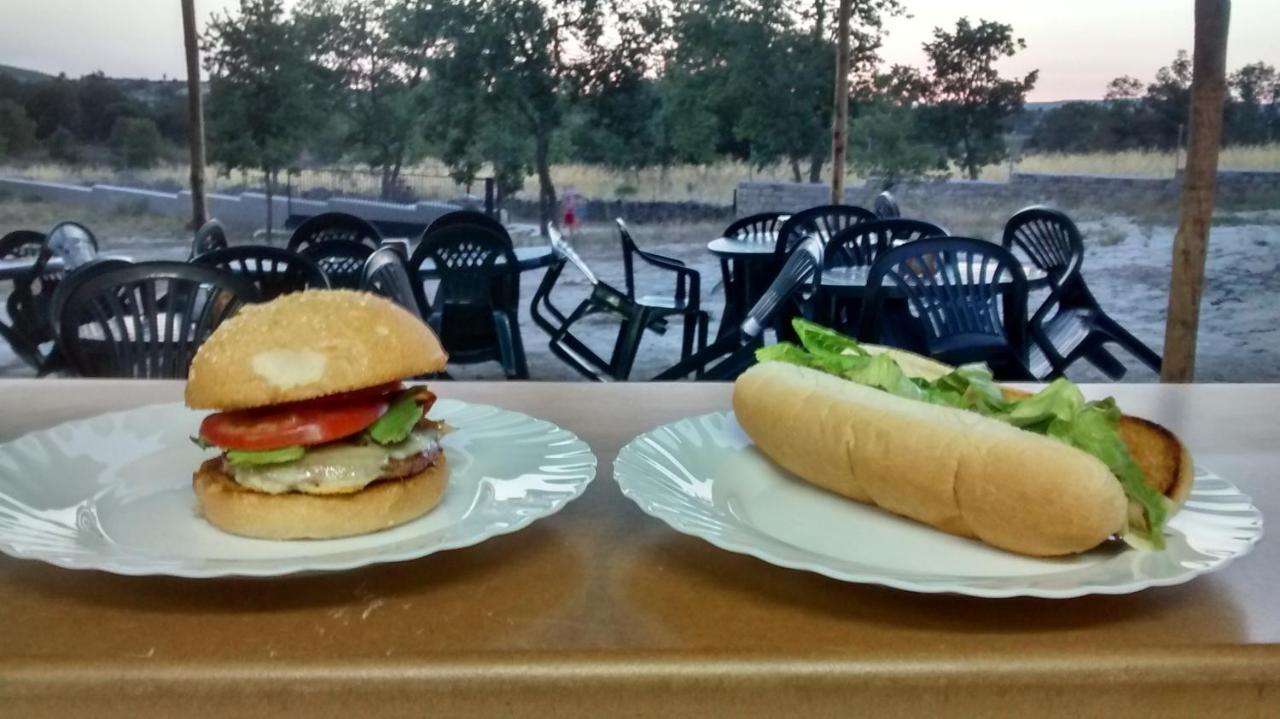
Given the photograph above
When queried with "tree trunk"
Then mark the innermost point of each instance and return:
(1190, 244)
(970, 165)
(795, 170)
(195, 115)
(840, 115)
(270, 204)
(815, 167)
(546, 189)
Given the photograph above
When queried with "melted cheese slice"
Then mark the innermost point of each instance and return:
(338, 468)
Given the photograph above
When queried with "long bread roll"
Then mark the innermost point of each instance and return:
(949, 468)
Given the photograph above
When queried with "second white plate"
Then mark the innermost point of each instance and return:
(704, 477)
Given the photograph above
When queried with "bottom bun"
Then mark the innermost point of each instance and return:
(293, 515)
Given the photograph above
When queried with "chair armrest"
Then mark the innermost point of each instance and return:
(657, 260)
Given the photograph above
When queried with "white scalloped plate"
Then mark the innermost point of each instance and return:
(704, 477)
(113, 492)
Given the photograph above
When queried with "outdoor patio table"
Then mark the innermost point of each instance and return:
(14, 268)
(601, 608)
(750, 260)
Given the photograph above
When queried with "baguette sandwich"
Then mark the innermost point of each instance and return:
(1042, 474)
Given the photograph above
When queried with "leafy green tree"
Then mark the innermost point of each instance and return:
(63, 146)
(971, 101)
(260, 109)
(17, 131)
(521, 63)
(101, 103)
(54, 104)
(374, 56)
(1166, 104)
(1072, 127)
(137, 142)
(888, 139)
(1253, 115)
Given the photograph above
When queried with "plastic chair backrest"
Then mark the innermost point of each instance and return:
(342, 261)
(334, 226)
(476, 265)
(20, 244)
(1049, 239)
(886, 206)
(272, 271)
(762, 227)
(79, 276)
(859, 245)
(823, 222)
(963, 296)
(73, 242)
(211, 236)
(385, 274)
(146, 320)
(465, 217)
(563, 249)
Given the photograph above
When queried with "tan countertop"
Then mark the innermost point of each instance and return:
(602, 610)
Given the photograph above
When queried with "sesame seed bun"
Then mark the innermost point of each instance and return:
(293, 515)
(310, 344)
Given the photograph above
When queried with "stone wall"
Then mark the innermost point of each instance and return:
(1106, 190)
(247, 209)
(637, 211)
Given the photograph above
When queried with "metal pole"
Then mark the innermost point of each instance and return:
(840, 116)
(195, 113)
(1208, 90)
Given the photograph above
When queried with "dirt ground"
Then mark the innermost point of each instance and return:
(1126, 265)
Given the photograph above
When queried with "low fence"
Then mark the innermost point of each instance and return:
(246, 209)
(637, 211)
(1107, 190)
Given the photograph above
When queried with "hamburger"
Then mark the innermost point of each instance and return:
(316, 432)
(1043, 474)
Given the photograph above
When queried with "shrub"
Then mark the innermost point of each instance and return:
(63, 147)
(137, 142)
(17, 131)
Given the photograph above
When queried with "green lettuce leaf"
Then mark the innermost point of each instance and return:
(243, 457)
(1059, 410)
(400, 419)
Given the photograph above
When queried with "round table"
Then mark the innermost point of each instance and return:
(746, 262)
(852, 281)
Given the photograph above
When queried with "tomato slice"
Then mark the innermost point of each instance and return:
(298, 423)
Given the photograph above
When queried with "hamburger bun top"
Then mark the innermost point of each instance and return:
(309, 344)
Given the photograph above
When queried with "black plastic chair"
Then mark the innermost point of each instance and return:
(272, 271)
(685, 302)
(334, 226)
(385, 274)
(730, 355)
(823, 222)
(476, 312)
(603, 299)
(1069, 325)
(73, 243)
(342, 261)
(762, 227)
(211, 236)
(886, 206)
(739, 274)
(465, 217)
(965, 301)
(146, 320)
(858, 246)
(21, 244)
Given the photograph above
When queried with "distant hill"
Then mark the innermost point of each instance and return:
(23, 74)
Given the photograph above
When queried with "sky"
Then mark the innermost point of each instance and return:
(1078, 46)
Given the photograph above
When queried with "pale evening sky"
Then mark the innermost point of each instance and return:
(1077, 46)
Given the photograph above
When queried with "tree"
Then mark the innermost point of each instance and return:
(17, 131)
(375, 55)
(1252, 116)
(525, 61)
(136, 141)
(102, 103)
(63, 147)
(261, 109)
(1073, 127)
(972, 102)
(1166, 104)
(54, 104)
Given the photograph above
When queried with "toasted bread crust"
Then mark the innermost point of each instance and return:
(310, 344)
(233, 508)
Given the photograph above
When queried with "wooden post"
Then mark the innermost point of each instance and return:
(1208, 90)
(840, 113)
(195, 115)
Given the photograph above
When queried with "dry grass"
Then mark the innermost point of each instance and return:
(713, 184)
